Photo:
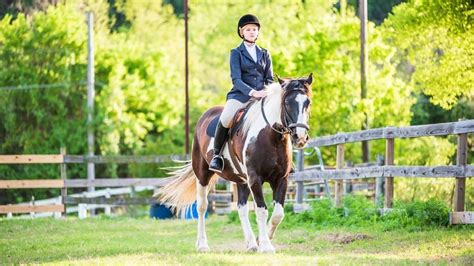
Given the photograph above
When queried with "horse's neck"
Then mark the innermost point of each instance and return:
(255, 120)
(272, 109)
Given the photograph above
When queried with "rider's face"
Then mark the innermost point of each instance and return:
(250, 32)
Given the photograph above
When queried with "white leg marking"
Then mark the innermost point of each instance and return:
(201, 243)
(250, 240)
(265, 246)
(277, 217)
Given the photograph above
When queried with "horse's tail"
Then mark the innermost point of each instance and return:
(180, 190)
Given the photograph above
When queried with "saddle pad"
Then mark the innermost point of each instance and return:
(211, 128)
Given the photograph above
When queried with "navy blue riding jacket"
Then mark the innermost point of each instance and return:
(247, 74)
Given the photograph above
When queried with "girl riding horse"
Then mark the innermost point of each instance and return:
(250, 70)
(262, 147)
(259, 151)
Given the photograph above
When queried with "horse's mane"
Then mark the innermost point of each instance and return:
(273, 100)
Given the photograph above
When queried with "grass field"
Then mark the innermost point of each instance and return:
(104, 240)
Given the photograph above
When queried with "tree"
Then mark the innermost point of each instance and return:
(437, 39)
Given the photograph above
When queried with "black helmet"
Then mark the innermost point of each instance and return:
(247, 19)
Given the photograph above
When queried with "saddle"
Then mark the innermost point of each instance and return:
(236, 126)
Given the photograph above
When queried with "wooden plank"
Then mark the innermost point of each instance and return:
(112, 182)
(41, 183)
(461, 218)
(465, 126)
(227, 198)
(123, 159)
(29, 208)
(341, 138)
(32, 159)
(460, 187)
(374, 171)
(338, 184)
(63, 171)
(389, 160)
(111, 201)
(300, 185)
(440, 129)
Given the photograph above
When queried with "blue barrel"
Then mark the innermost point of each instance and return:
(191, 213)
(160, 211)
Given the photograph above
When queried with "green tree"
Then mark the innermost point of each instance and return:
(437, 38)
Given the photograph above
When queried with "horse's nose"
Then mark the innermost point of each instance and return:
(301, 140)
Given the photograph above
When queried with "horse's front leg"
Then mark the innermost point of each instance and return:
(201, 243)
(243, 192)
(265, 246)
(279, 193)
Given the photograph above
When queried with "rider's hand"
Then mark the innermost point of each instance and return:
(259, 94)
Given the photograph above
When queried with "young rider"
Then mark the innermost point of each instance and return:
(250, 70)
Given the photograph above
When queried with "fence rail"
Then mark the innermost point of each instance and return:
(441, 129)
(383, 171)
(341, 174)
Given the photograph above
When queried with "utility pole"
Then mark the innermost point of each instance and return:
(186, 75)
(90, 97)
(364, 59)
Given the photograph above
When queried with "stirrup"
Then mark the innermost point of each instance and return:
(217, 163)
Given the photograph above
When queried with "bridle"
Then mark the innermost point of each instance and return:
(287, 127)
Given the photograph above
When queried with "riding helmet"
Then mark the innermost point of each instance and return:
(247, 19)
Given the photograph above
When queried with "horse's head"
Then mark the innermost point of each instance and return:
(296, 105)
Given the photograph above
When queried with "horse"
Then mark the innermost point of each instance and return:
(259, 151)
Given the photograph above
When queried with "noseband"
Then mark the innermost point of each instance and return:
(288, 128)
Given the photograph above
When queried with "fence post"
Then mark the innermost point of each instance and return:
(63, 169)
(32, 203)
(461, 160)
(82, 211)
(389, 156)
(379, 183)
(9, 215)
(299, 184)
(59, 201)
(339, 183)
(108, 208)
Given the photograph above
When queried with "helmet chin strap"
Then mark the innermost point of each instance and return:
(250, 41)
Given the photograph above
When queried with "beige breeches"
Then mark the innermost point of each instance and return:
(231, 107)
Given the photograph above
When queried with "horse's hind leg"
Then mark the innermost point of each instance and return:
(204, 176)
(243, 192)
(279, 193)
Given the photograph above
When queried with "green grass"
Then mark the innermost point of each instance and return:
(122, 240)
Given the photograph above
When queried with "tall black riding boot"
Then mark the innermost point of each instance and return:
(217, 162)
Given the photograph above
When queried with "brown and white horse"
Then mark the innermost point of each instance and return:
(262, 150)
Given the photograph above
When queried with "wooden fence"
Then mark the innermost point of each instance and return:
(460, 171)
(64, 183)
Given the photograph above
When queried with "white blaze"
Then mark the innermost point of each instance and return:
(302, 116)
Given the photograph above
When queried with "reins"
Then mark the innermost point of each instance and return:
(287, 128)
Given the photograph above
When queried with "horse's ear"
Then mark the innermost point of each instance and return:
(309, 80)
(279, 79)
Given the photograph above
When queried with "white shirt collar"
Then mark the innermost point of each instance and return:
(252, 51)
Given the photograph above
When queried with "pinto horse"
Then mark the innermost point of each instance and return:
(259, 151)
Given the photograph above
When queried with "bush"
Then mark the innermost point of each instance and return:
(357, 211)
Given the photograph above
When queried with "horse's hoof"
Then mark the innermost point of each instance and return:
(203, 249)
(252, 249)
(269, 249)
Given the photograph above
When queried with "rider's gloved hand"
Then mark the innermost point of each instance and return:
(259, 94)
